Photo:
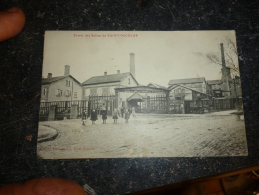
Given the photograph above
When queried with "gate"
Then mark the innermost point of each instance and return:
(100, 103)
(156, 104)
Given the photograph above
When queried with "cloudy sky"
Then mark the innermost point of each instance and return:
(159, 55)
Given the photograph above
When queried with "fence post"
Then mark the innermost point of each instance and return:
(74, 111)
(52, 113)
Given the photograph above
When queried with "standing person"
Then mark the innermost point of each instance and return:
(127, 116)
(115, 115)
(122, 111)
(93, 116)
(104, 116)
(133, 111)
(84, 117)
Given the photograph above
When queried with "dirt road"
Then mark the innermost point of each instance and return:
(148, 136)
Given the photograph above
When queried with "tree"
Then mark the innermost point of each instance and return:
(231, 57)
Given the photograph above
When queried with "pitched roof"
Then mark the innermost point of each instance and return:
(156, 85)
(177, 85)
(51, 80)
(142, 87)
(135, 96)
(106, 78)
(185, 81)
(54, 79)
(214, 82)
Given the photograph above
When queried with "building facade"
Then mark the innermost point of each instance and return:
(61, 88)
(144, 99)
(185, 100)
(197, 84)
(105, 85)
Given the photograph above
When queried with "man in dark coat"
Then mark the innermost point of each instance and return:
(93, 116)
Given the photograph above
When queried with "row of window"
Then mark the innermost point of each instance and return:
(100, 91)
(59, 93)
(179, 90)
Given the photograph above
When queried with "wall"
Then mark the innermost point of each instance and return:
(110, 86)
(125, 82)
(187, 93)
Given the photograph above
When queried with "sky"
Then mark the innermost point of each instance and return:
(160, 56)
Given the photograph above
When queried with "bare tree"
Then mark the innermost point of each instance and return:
(231, 57)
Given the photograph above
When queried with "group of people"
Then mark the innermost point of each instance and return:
(116, 114)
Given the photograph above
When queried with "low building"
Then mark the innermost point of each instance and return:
(184, 100)
(144, 99)
(60, 88)
(105, 85)
(197, 84)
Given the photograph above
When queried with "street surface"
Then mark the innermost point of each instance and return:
(152, 135)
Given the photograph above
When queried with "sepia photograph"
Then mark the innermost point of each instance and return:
(140, 94)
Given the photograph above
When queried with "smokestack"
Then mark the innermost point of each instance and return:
(118, 71)
(105, 73)
(67, 70)
(49, 76)
(132, 64)
(222, 55)
(225, 73)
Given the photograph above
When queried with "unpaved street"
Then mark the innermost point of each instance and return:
(216, 134)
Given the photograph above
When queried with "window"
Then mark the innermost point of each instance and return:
(75, 94)
(129, 80)
(44, 91)
(183, 91)
(93, 91)
(67, 93)
(87, 92)
(99, 91)
(197, 85)
(112, 90)
(105, 91)
(58, 92)
(67, 83)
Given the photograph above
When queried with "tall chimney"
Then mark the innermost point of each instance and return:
(225, 73)
(49, 76)
(67, 70)
(105, 73)
(222, 55)
(132, 64)
(118, 71)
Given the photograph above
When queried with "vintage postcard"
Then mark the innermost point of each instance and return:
(135, 94)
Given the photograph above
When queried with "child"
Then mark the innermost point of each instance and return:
(127, 116)
(104, 116)
(115, 115)
(93, 116)
(84, 117)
